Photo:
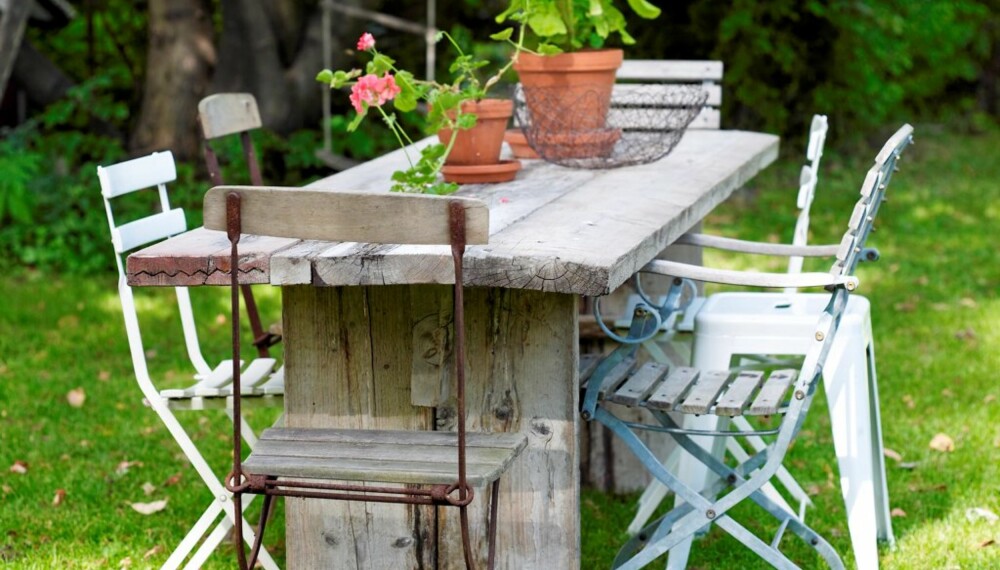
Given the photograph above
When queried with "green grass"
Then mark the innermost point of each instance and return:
(936, 317)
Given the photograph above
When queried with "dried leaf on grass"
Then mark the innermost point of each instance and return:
(148, 488)
(7, 489)
(59, 498)
(172, 480)
(152, 552)
(987, 542)
(979, 513)
(989, 398)
(942, 443)
(104, 376)
(19, 467)
(125, 562)
(897, 512)
(76, 397)
(892, 454)
(123, 466)
(909, 402)
(946, 393)
(149, 508)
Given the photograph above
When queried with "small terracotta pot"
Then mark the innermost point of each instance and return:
(480, 144)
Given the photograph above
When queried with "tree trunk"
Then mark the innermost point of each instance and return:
(180, 59)
(273, 50)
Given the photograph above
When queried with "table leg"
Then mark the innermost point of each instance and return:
(348, 363)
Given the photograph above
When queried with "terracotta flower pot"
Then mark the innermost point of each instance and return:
(568, 92)
(480, 144)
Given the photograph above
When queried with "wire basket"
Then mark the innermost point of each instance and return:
(582, 128)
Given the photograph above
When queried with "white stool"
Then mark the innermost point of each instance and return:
(732, 324)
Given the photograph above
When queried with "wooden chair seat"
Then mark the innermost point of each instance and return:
(382, 456)
(658, 386)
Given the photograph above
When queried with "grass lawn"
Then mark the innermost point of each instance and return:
(936, 316)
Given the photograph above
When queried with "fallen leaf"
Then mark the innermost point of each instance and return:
(905, 307)
(76, 397)
(966, 334)
(813, 490)
(892, 454)
(942, 443)
(148, 488)
(65, 457)
(987, 542)
(152, 552)
(149, 508)
(173, 480)
(989, 398)
(968, 302)
(148, 430)
(69, 321)
(84, 443)
(908, 401)
(978, 513)
(151, 354)
(104, 376)
(923, 280)
(125, 562)
(941, 307)
(909, 465)
(59, 498)
(19, 467)
(897, 512)
(7, 489)
(123, 466)
(220, 319)
(947, 393)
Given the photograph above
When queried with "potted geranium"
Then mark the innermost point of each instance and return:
(469, 125)
(565, 70)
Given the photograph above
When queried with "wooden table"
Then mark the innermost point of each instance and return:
(366, 336)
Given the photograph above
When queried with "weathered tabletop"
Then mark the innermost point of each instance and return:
(552, 229)
(360, 354)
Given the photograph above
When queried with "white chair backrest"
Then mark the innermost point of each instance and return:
(663, 71)
(808, 178)
(147, 172)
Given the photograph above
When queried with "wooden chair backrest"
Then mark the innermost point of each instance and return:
(667, 72)
(872, 194)
(346, 216)
(228, 113)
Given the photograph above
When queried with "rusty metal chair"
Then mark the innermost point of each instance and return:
(782, 394)
(411, 467)
(221, 115)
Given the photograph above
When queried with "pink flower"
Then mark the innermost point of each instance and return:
(373, 90)
(366, 42)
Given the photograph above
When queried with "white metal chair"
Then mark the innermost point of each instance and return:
(212, 386)
(698, 391)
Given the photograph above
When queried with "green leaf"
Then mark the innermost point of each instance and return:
(466, 121)
(548, 49)
(503, 35)
(644, 9)
(357, 119)
(325, 76)
(595, 8)
(547, 21)
(380, 64)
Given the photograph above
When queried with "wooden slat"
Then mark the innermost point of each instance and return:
(346, 216)
(227, 113)
(671, 390)
(662, 94)
(613, 378)
(633, 391)
(772, 393)
(734, 401)
(644, 120)
(670, 70)
(387, 456)
(588, 363)
(702, 396)
(137, 174)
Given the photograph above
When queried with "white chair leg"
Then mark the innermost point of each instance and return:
(846, 384)
(189, 541)
(884, 519)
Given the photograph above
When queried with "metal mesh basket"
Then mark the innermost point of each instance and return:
(580, 128)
